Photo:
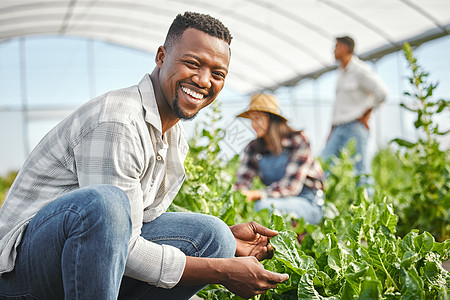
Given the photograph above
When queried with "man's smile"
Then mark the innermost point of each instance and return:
(192, 94)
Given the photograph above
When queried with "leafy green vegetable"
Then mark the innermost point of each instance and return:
(378, 247)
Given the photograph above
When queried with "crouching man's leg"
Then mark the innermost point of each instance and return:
(74, 248)
(196, 235)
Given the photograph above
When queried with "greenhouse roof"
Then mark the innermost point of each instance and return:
(276, 43)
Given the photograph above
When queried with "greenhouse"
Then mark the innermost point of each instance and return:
(383, 233)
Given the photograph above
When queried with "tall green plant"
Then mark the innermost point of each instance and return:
(424, 197)
(5, 184)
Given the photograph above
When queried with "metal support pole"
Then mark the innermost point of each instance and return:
(401, 117)
(317, 110)
(24, 96)
(377, 120)
(294, 108)
(91, 67)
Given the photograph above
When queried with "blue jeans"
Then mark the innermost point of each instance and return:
(76, 248)
(307, 205)
(341, 135)
(194, 234)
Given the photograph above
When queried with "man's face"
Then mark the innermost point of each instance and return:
(340, 50)
(192, 72)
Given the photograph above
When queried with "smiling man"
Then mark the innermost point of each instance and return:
(85, 218)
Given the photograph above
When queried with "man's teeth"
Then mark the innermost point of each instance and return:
(192, 93)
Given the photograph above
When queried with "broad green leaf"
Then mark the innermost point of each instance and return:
(388, 218)
(370, 289)
(326, 244)
(407, 243)
(424, 242)
(277, 223)
(338, 259)
(353, 275)
(286, 251)
(379, 251)
(433, 273)
(412, 285)
(371, 215)
(306, 290)
(361, 254)
(229, 215)
(350, 290)
(409, 258)
(354, 230)
(442, 248)
(321, 279)
(403, 143)
(328, 227)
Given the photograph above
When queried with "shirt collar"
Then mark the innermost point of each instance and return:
(152, 116)
(352, 63)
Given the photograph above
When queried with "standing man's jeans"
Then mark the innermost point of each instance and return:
(341, 135)
(76, 248)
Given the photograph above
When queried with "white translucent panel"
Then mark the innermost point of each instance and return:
(286, 40)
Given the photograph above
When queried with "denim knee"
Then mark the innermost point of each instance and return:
(221, 243)
(110, 205)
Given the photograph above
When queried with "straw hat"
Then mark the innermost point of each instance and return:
(263, 102)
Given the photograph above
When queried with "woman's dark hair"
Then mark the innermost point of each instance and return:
(201, 22)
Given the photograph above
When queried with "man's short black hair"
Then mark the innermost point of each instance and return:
(198, 21)
(348, 41)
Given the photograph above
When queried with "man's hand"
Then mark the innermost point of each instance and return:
(246, 277)
(331, 131)
(365, 118)
(252, 239)
(252, 195)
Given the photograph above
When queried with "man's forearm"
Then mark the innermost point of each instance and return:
(202, 271)
(244, 276)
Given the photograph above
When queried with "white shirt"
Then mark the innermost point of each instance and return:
(113, 139)
(358, 89)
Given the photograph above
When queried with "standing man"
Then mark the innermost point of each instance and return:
(85, 218)
(358, 91)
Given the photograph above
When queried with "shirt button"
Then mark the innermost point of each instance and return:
(158, 157)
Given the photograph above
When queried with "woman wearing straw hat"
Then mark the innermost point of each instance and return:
(281, 157)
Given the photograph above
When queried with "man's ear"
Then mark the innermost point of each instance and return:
(160, 55)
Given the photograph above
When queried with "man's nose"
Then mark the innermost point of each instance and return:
(203, 78)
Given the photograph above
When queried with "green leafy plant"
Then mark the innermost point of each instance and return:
(366, 248)
(5, 184)
(355, 253)
(423, 196)
(366, 260)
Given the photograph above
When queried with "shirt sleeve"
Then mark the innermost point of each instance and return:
(112, 153)
(247, 170)
(372, 84)
(300, 162)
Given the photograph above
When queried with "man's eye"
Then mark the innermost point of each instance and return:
(219, 74)
(191, 63)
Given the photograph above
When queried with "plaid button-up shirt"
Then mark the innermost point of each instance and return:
(302, 167)
(113, 139)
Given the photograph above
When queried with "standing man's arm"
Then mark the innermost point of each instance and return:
(373, 85)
